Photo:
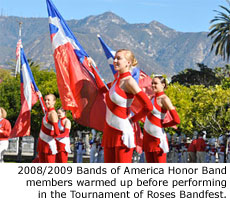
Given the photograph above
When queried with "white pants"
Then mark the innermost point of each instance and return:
(3, 147)
(184, 157)
(200, 157)
(221, 158)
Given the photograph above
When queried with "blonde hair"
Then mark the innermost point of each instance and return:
(129, 56)
(53, 96)
(3, 111)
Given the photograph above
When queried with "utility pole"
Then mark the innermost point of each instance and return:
(18, 50)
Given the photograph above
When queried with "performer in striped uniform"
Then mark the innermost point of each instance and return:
(155, 143)
(118, 135)
(47, 147)
(63, 140)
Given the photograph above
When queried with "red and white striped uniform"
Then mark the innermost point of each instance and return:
(118, 104)
(46, 143)
(63, 144)
(154, 128)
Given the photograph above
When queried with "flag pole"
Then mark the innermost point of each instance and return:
(95, 69)
(18, 61)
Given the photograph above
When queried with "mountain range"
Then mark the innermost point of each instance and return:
(158, 48)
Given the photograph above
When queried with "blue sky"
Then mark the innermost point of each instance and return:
(181, 15)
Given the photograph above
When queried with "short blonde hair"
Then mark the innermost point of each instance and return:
(3, 111)
(129, 56)
(53, 96)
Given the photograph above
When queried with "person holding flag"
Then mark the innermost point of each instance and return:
(80, 94)
(5, 129)
(155, 143)
(47, 147)
(118, 134)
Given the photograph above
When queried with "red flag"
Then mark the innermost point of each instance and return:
(77, 87)
(28, 99)
(78, 90)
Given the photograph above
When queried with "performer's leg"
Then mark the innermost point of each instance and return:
(149, 156)
(41, 157)
(156, 157)
(123, 154)
(109, 155)
(49, 158)
(62, 157)
(160, 157)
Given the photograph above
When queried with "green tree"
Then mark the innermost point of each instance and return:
(220, 32)
(201, 108)
(204, 76)
(4, 74)
(181, 97)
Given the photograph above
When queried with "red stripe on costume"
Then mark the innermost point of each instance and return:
(122, 93)
(154, 120)
(47, 131)
(116, 109)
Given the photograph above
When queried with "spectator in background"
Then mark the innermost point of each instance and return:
(200, 148)
(192, 151)
(5, 130)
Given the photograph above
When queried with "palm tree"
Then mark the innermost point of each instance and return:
(220, 32)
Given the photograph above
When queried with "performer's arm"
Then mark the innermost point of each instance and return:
(56, 129)
(54, 119)
(100, 84)
(175, 119)
(42, 103)
(64, 134)
(132, 87)
(147, 106)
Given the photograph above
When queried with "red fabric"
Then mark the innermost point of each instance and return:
(77, 88)
(118, 155)
(145, 83)
(155, 157)
(5, 126)
(98, 80)
(151, 143)
(192, 146)
(60, 145)
(138, 137)
(62, 157)
(175, 119)
(35, 160)
(200, 145)
(111, 137)
(64, 134)
(146, 106)
(22, 126)
(44, 147)
(155, 120)
(119, 111)
(46, 157)
(56, 129)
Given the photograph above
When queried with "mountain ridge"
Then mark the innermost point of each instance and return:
(158, 48)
